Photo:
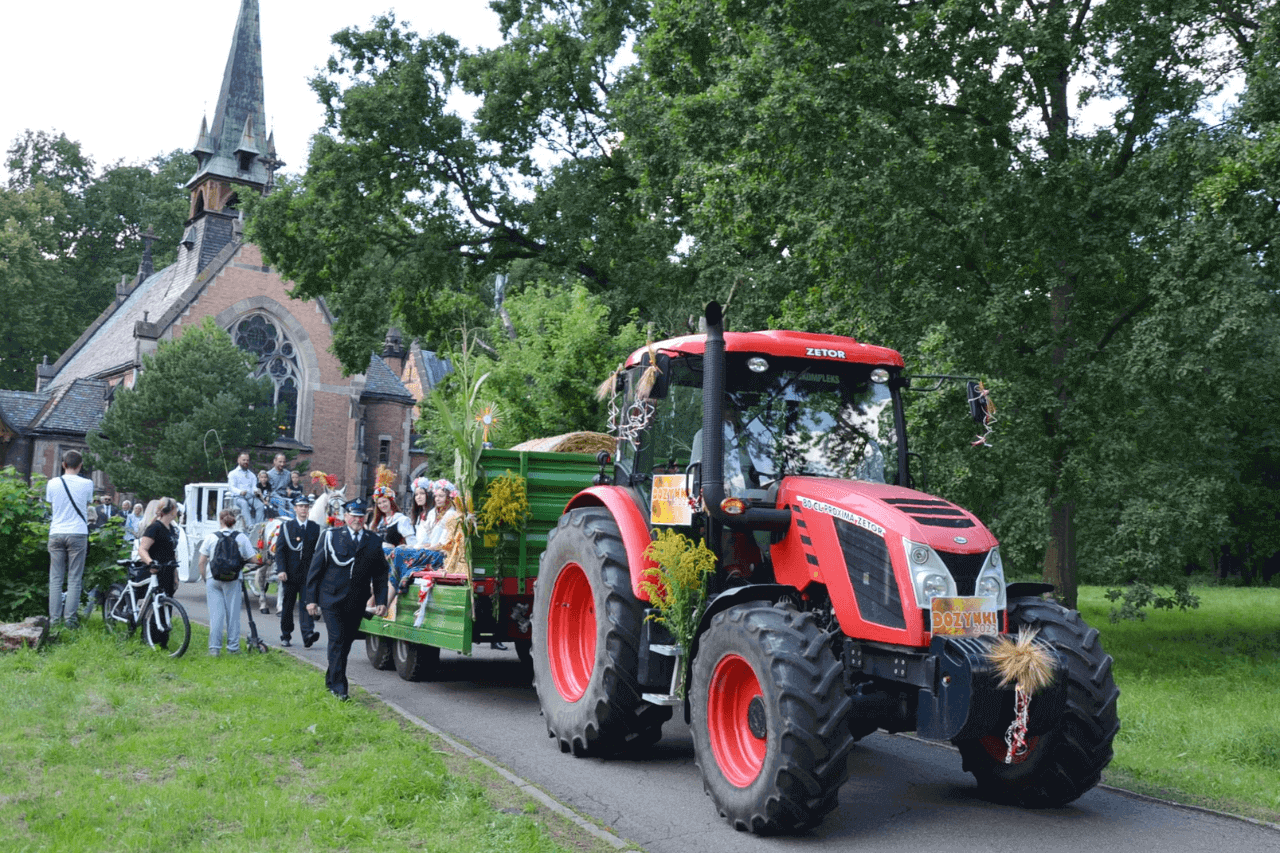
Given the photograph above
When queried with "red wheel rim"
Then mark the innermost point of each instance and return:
(571, 633)
(996, 748)
(739, 753)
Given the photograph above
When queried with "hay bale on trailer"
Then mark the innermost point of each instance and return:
(570, 442)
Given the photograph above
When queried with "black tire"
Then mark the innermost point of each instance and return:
(379, 651)
(415, 662)
(586, 681)
(1062, 764)
(773, 763)
(122, 626)
(524, 651)
(173, 615)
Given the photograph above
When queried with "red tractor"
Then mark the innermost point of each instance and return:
(843, 600)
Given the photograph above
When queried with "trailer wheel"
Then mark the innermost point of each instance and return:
(586, 632)
(379, 651)
(413, 661)
(769, 718)
(1062, 764)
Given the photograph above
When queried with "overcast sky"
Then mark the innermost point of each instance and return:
(132, 78)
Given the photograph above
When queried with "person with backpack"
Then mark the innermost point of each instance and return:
(222, 555)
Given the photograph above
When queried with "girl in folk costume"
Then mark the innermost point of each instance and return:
(438, 534)
(389, 522)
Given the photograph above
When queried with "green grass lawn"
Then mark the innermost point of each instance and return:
(106, 747)
(1199, 699)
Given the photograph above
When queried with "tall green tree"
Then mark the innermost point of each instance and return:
(38, 291)
(541, 371)
(88, 227)
(896, 169)
(194, 406)
(408, 210)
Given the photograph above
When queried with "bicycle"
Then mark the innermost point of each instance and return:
(124, 609)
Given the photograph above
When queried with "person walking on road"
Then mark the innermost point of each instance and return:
(223, 596)
(347, 565)
(295, 548)
(69, 495)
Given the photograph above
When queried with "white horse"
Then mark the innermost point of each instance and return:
(329, 505)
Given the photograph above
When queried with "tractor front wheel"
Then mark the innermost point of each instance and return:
(586, 633)
(1060, 765)
(769, 718)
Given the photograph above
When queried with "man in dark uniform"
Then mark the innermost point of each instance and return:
(295, 548)
(348, 565)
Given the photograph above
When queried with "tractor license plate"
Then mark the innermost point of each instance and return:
(964, 617)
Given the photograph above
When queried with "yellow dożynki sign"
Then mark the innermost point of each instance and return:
(964, 617)
(670, 501)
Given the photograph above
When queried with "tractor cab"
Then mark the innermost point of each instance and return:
(791, 405)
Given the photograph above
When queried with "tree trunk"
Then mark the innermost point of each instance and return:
(1060, 555)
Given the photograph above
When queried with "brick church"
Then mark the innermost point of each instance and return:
(343, 425)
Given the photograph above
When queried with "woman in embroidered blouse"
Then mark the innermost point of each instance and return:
(389, 522)
(433, 529)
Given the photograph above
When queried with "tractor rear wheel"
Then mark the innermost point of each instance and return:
(1062, 764)
(769, 718)
(586, 633)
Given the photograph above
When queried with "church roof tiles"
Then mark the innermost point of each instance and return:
(381, 383)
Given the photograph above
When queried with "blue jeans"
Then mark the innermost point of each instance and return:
(223, 599)
(283, 506)
(66, 563)
(251, 509)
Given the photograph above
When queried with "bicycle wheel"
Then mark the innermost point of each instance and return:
(171, 617)
(115, 611)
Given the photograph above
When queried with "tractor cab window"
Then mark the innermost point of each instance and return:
(798, 417)
(657, 430)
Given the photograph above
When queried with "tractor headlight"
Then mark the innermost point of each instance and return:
(929, 575)
(990, 582)
(933, 585)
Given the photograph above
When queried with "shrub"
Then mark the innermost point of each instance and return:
(24, 556)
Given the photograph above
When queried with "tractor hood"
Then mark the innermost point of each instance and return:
(889, 510)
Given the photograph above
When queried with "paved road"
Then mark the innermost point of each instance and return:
(902, 794)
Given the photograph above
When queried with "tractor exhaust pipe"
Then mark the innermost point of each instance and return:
(713, 371)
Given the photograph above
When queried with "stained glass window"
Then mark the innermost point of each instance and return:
(262, 336)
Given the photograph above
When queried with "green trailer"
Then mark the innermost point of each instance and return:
(458, 615)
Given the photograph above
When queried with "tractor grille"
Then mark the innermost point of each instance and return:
(964, 569)
(867, 560)
(932, 513)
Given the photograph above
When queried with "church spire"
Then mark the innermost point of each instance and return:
(232, 148)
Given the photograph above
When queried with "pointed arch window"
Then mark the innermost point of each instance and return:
(261, 335)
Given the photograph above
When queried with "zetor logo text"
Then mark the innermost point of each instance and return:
(824, 353)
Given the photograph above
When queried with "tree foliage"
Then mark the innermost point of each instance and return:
(192, 409)
(69, 234)
(1034, 192)
(418, 208)
(922, 174)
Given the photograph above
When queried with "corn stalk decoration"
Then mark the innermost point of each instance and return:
(458, 416)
